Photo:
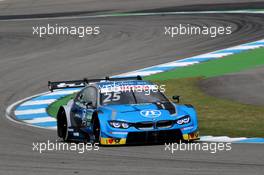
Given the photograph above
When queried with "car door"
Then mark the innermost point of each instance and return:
(84, 105)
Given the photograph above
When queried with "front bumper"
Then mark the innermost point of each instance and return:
(191, 136)
(150, 137)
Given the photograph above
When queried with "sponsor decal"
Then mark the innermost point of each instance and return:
(191, 136)
(187, 128)
(150, 113)
(112, 141)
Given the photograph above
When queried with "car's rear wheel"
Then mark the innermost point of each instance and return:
(62, 127)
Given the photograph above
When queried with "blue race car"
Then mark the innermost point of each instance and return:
(117, 111)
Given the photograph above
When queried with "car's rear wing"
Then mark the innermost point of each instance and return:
(82, 83)
(66, 84)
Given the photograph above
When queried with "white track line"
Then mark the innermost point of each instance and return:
(220, 139)
(38, 102)
(138, 14)
(212, 55)
(30, 111)
(180, 64)
(260, 41)
(62, 92)
(243, 47)
(51, 127)
(141, 73)
(13, 105)
(40, 120)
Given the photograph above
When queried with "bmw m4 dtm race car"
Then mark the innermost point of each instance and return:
(118, 111)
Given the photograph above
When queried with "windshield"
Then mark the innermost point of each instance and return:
(131, 97)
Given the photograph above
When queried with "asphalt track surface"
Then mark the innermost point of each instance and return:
(22, 7)
(126, 43)
(245, 87)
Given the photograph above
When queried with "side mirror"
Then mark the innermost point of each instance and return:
(176, 98)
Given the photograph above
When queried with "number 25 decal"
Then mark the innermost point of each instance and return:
(115, 96)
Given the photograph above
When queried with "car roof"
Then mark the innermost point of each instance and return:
(104, 84)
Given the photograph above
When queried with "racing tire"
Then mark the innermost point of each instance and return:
(62, 126)
(96, 129)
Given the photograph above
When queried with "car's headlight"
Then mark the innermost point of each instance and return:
(183, 120)
(119, 124)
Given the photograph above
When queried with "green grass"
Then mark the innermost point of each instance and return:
(216, 116)
(256, 9)
(229, 64)
(54, 107)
